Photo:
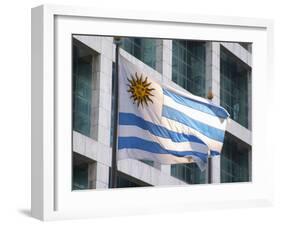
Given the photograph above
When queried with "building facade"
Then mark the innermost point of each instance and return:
(195, 66)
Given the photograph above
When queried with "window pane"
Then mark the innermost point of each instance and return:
(189, 173)
(235, 161)
(82, 81)
(80, 177)
(234, 87)
(142, 48)
(188, 63)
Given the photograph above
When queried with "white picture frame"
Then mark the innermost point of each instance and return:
(52, 29)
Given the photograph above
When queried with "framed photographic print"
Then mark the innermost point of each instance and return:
(130, 107)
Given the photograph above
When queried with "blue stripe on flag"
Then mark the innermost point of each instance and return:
(195, 104)
(203, 128)
(214, 153)
(157, 130)
(153, 147)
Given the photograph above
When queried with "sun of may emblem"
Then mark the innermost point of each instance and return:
(140, 90)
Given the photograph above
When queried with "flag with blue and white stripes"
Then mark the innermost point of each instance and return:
(163, 124)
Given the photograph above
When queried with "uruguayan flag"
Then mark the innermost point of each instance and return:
(159, 123)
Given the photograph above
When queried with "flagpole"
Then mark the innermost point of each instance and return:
(113, 171)
(209, 170)
(210, 96)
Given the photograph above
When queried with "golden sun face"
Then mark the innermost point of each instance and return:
(140, 90)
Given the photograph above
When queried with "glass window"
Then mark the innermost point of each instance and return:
(82, 172)
(188, 66)
(79, 172)
(80, 177)
(235, 160)
(189, 173)
(82, 89)
(247, 46)
(234, 92)
(126, 181)
(142, 48)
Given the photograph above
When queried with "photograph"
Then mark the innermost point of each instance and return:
(160, 112)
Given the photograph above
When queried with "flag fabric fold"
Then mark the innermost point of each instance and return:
(165, 125)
